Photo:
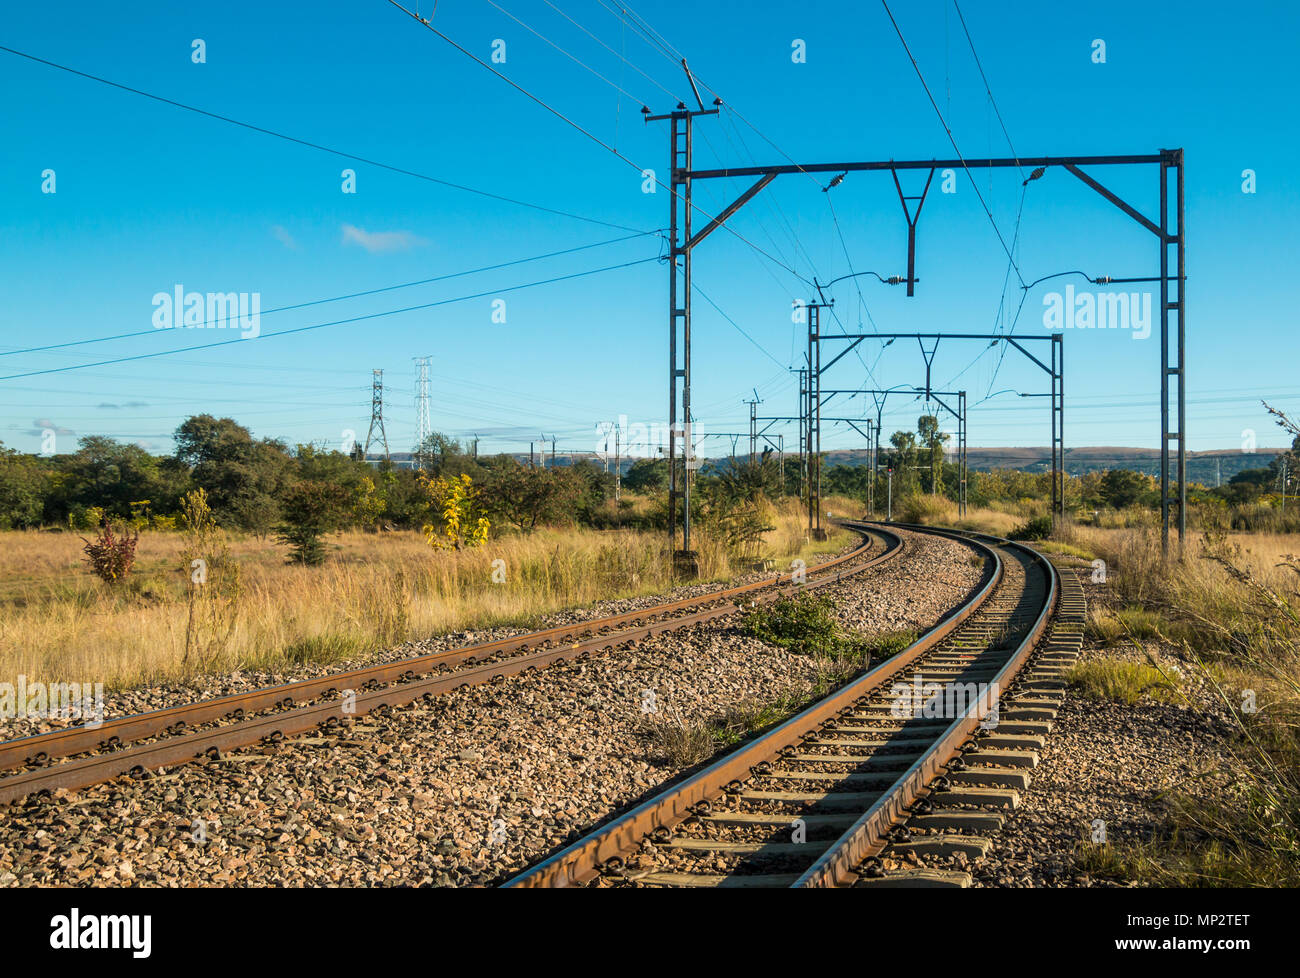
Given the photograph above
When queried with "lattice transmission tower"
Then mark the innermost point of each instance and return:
(422, 426)
(377, 414)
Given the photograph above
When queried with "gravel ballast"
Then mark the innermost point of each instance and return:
(1113, 767)
(465, 790)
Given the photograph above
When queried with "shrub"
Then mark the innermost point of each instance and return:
(214, 584)
(806, 624)
(312, 509)
(803, 624)
(1038, 528)
(924, 508)
(86, 518)
(111, 554)
(456, 502)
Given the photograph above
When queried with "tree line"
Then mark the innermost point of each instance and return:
(259, 485)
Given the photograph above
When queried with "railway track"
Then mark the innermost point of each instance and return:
(136, 745)
(915, 759)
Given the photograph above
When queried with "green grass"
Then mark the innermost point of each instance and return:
(1120, 681)
(805, 624)
(1132, 622)
(1064, 549)
(324, 649)
(687, 744)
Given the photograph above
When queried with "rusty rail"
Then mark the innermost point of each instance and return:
(867, 837)
(606, 848)
(586, 857)
(182, 747)
(39, 748)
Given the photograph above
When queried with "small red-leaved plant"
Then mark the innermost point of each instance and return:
(111, 554)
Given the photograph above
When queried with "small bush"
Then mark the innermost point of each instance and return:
(803, 624)
(1038, 528)
(887, 644)
(927, 509)
(112, 554)
(683, 744)
(806, 624)
(85, 518)
(312, 509)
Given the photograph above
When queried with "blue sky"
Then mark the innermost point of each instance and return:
(149, 197)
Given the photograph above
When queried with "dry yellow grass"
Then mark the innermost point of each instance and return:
(940, 511)
(59, 623)
(1232, 608)
(1133, 558)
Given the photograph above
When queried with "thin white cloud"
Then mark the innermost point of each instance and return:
(284, 237)
(378, 241)
(41, 425)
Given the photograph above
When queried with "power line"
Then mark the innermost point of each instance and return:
(739, 328)
(572, 57)
(622, 57)
(317, 146)
(582, 129)
(670, 53)
(987, 89)
(341, 298)
(952, 139)
(337, 322)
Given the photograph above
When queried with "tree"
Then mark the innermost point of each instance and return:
(241, 476)
(311, 509)
(442, 455)
(1121, 488)
(744, 481)
(933, 441)
(405, 503)
(111, 475)
(647, 475)
(22, 490)
(367, 505)
(527, 497)
(847, 480)
(903, 461)
(320, 464)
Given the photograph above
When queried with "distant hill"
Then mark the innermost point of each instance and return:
(1207, 468)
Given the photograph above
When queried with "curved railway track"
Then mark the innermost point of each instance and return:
(135, 745)
(915, 756)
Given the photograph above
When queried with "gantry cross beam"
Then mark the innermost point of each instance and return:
(1170, 237)
(1054, 368)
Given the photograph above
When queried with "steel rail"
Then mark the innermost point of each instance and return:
(43, 747)
(608, 845)
(867, 836)
(137, 761)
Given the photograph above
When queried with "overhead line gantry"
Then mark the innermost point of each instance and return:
(1170, 234)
